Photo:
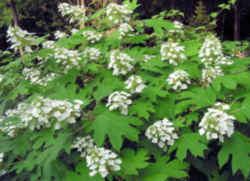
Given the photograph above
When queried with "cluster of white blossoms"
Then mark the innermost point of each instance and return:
(216, 123)
(162, 133)
(124, 30)
(84, 145)
(1, 78)
(179, 80)
(1, 157)
(20, 39)
(173, 52)
(91, 36)
(120, 62)
(135, 84)
(49, 44)
(59, 34)
(67, 58)
(41, 113)
(118, 13)
(211, 52)
(99, 160)
(209, 73)
(178, 28)
(92, 53)
(102, 161)
(34, 76)
(148, 57)
(119, 100)
(76, 13)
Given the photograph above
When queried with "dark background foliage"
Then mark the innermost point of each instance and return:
(41, 16)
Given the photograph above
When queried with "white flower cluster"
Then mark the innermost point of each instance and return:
(162, 133)
(99, 160)
(67, 58)
(76, 13)
(135, 84)
(1, 78)
(20, 39)
(74, 30)
(124, 30)
(2, 172)
(173, 52)
(34, 76)
(179, 80)
(58, 35)
(49, 44)
(120, 62)
(148, 57)
(92, 36)
(1, 157)
(119, 100)
(10, 127)
(210, 73)
(41, 111)
(216, 123)
(211, 52)
(178, 28)
(84, 145)
(92, 53)
(118, 13)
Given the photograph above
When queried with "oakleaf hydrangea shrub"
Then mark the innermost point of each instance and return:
(123, 99)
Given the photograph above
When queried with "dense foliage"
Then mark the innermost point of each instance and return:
(123, 99)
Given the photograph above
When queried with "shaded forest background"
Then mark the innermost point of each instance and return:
(42, 17)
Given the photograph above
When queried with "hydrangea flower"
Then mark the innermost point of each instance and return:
(76, 13)
(1, 78)
(162, 133)
(35, 77)
(210, 73)
(118, 13)
(119, 100)
(20, 39)
(59, 35)
(120, 63)
(102, 161)
(99, 160)
(135, 84)
(148, 57)
(179, 80)
(211, 52)
(216, 123)
(91, 36)
(1, 157)
(42, 111)
(173, 52)
(84, 145)
(49, 44)
(66, 58)
(178, 28)
(124, 29)
(92, 53)
(221, 106)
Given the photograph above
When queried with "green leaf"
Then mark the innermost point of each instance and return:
(82, 174)
(229, 82)
(107, 85)
(162, 170)
(166, 107)
(198, 97)
(239, 147)
(142, 108)
(115, 126)
(192, 142)
(132, 161)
